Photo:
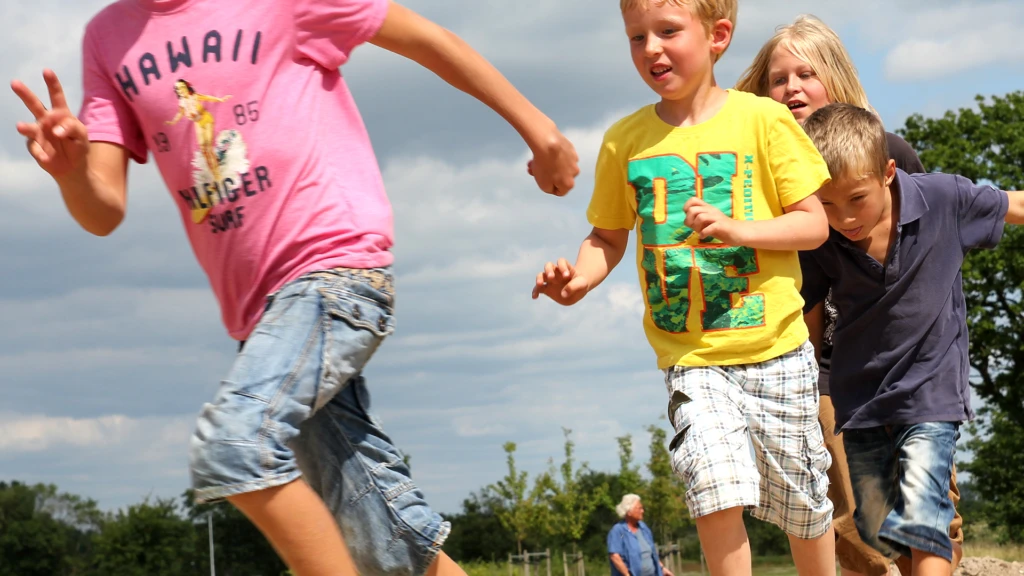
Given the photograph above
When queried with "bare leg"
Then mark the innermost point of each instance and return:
(906, 566)
(926, 564)
(724, 539)
(299, 526)
(815, 557)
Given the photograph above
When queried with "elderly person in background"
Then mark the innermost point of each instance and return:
(631, 548)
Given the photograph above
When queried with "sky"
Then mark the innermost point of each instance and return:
(110, 346)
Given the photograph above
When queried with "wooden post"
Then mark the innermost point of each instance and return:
(565, 563)
(548, 554)
(526, 562)
(510, 564)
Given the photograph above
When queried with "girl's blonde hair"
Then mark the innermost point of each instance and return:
(810, 40)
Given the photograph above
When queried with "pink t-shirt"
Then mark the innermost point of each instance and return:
(254, 132)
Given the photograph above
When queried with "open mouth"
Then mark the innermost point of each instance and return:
(796, 105)
(853, 233)
(659, 72)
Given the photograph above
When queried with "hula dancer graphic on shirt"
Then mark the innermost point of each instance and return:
(214, 160)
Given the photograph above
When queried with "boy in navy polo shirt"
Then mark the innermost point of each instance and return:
(899, 366)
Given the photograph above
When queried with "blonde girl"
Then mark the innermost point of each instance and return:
(805, 66)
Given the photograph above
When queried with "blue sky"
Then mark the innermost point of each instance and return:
(109, 346)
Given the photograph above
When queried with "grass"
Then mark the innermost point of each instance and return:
(1010, 553)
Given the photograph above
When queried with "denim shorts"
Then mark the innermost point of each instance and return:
(295, 404)
(900, 477)
(719, 411)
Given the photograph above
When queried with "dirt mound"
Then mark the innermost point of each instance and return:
(989, 567)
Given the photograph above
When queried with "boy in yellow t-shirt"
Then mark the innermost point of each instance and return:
(720, 186)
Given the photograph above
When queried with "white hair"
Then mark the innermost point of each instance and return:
(628, 501)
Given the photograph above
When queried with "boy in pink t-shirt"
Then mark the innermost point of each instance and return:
(258, 140)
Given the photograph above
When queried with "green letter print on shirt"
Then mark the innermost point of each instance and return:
(663, 184)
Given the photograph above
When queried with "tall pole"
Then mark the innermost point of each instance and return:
(209, 524)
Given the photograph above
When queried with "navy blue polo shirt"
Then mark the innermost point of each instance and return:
(900, 345)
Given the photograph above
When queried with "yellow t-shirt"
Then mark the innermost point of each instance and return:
(708, 303)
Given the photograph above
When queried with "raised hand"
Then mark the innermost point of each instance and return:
(561, 283)
(57, 140)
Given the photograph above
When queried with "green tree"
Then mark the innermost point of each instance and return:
(146, 539)
(572, 502)
(32, 542)
(517, 510)
(630, 481)
(987, 145)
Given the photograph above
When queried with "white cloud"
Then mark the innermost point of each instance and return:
(148, 437)
(945, 40)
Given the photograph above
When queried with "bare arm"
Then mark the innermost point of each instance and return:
(92, 176)
(408, 34)
(619, 564)
(815, 320)
(600, 252)
(804, 226)
(97, 197)
(1015, 213)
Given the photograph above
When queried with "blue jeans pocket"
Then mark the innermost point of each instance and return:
(353, 328)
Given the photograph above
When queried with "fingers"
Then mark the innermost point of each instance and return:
(576, 287)
(539, 286)
(67, 127)
(36, 141)
(57, 99)
(553, 279)
(565, 268)
(34, 105)
(694, 203)
(38, 152)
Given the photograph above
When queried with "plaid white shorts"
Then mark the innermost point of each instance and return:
(774, 404)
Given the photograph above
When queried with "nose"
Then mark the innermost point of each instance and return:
(792, 84)
(652, 48)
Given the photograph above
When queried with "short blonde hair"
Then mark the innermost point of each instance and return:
(850, 139)
(810, 40)
(627, 503)
(707, 11)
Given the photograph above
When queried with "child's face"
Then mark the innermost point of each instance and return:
(855, 206)
(794, 83)
(670, 47)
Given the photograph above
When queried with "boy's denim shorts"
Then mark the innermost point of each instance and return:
(719, 411)
(295, 404)
(900, 477)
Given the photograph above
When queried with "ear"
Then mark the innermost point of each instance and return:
(890, 171)
(720, 36)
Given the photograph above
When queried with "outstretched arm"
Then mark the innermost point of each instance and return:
(406, 33)
(566, 284)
